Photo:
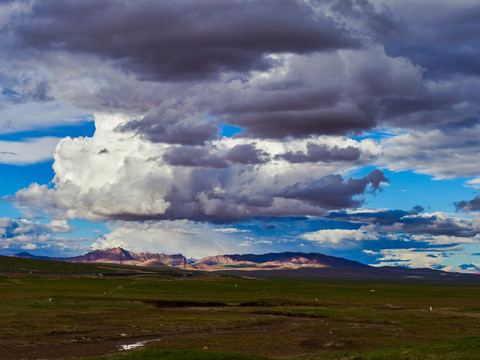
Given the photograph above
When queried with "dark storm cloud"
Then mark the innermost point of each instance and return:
(181, 40)
(193, 156)
(209, 197)
(442, 41)
(445, 43)
(333, 191)
(302, 123)
(165, 127)
(435, 105)
(274, 100)
(410, 222)
(470, 205)
(187, 45)
(379, 23)
(246, 154)
(324, 94)
(297, 112)
(323, 153)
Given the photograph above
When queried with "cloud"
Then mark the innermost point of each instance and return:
(436, 128)
(470, 267)
(411, 222)
(33, 115)
(317, 153)
(333, 191)
(194, 157)
(413, 258)
(227, 179)
(349, 67)
(444, 153)
(338, 236)
(445, 50)
(470, 205)
(392, 248)
(23, 235)
(474, 183)
(172, 127)
(37, 93)
(246, 154)
(29, 151)
(181, 40)
(230, 230)
(247, 64)
(331, 93)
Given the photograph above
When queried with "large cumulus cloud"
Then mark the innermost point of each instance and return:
(115, 175)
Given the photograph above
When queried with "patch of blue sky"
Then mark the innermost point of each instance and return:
(15, 177)
(223, 129)
(289, 229)
(468, 254)
(229, 130)
(85, 127)
(294, 225)
(407, 189)
(8, 210)
(377, 134)
(87, 229)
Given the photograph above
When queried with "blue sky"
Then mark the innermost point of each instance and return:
(348, 128)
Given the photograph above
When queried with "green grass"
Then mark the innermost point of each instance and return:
(456, 349)
(12, 265)
(300, 319)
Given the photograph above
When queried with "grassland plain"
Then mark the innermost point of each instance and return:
(54, 311)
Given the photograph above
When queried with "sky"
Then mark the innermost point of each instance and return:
(203, 127)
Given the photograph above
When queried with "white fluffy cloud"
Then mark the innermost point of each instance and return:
(339, 236)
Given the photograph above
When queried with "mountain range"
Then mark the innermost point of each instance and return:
(271, 261)
(284, 264)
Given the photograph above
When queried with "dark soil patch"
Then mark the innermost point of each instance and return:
(389, 307)
(271, 303)
(288, 313)
(179, 304)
